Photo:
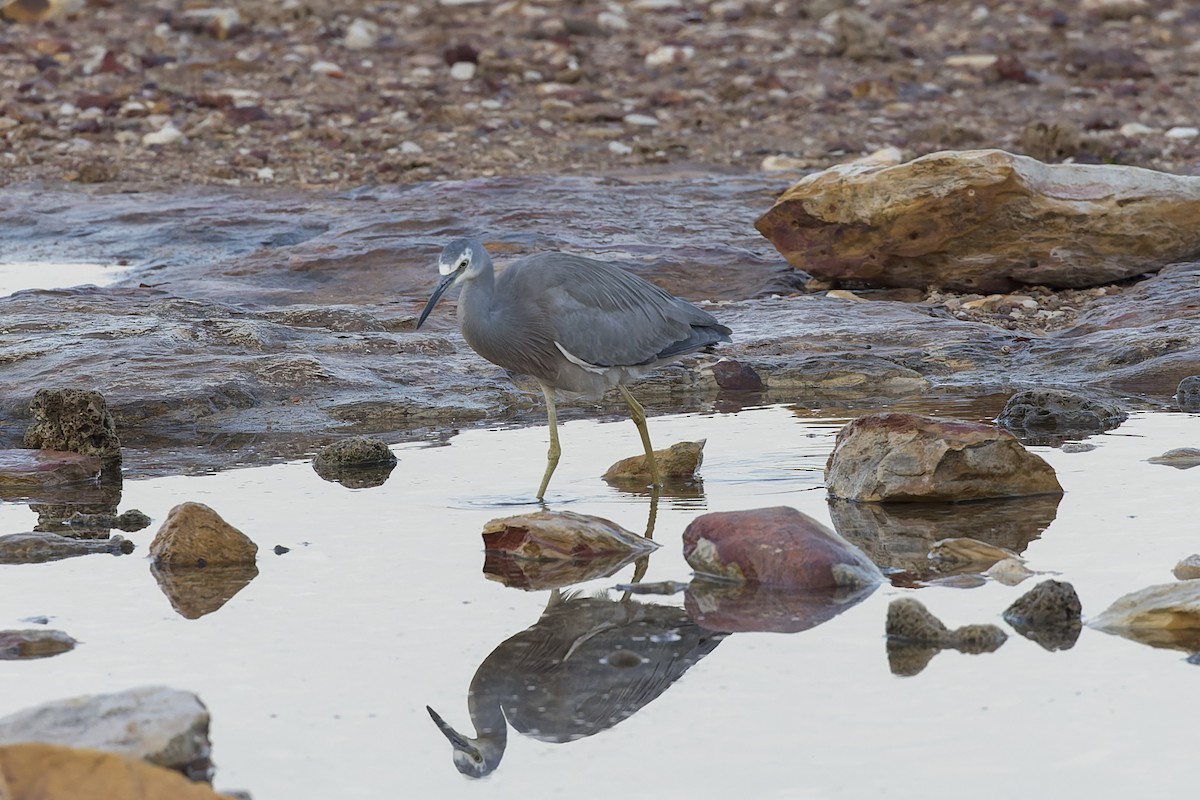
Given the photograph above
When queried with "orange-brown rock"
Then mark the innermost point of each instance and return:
(677, 462)
(34, 468)
(49, 772)
(778, 547)
(193, 535)
(898, 457)
(985, 221)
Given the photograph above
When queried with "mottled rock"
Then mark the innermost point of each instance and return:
(193, 535)
(40, 468)
(737, 607)
(1049, 614)
(849, 374)
(39, 547)
(899, 457)
(357, 463)
(76, 420)
(1060, 411)
(194, 592)
(778, 547)
(50, 772)
(910, 621)
(1188, 393)
(163, 726)
(985, 221)
(970, 553)
(1166, 615)
(1179, 458)
(1188, 568)
(679, 462)
(33, 643)
(914, 636)
(553, 535)
(128, 521)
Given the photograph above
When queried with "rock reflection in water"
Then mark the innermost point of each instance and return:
(585, 666)
(196, 591)
(732, 608)
(900, 535)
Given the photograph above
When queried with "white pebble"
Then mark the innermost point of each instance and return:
(611, 21)
(168, 134)
(644, 120)
(619, 148)
(1135, 129)
(67, 110)
(669, 54)
(462, 71)
(265, 174)
(362, 34)
(1180, 132)
(411, 148)
(327, 68)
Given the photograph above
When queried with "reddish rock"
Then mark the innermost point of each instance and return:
(733, 608)
(899, 457)
(561, 535)
(193, 535)
(36, 468)
(777, 547)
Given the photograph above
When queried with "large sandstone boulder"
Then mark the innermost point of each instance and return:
(193, 535)
(778, 547)
(1166, 615)
(896, 457)
(50, 772)
(985, 221)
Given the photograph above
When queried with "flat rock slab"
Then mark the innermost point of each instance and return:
(897, 457)
(778, 547)
(1166, 615)
(562, 535)
(39, 468)
(164, 726)
(34, 643)
(36, 547)
(985, 221)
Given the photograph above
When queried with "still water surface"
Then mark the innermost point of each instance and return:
(317, 674)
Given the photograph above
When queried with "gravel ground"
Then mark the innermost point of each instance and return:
(335, 94)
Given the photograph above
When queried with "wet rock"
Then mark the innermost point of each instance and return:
(37, 643)
(1059, 411)
(36, 548)
(778, 547)
(50, 772)
(901, 535)
(995, 222)
(899, 457)
(848, 374)
(1188, 568)
(196, 591)
(737, 607)
(1166, 615)
(562, 535)
(735, 376)
(76, 420)
(679, 462)
(357, 463)
(1010, 572)
(965, 553)
(1049, 614)
(128, 521)
(193, 535)
(1188, 393)
(166, 727)
(1179, 458)
(41, 468)
(914, 636)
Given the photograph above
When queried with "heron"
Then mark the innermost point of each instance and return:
(573, 324)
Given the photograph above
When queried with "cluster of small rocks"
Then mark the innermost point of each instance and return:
(315, 92)
(1037, 309)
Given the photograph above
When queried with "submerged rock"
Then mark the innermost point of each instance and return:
(1166, 615)
(678, 462)
(915, 635)
(985, 221)
(35, 643)
(1188, 568)
(36, 548)
(357, 463)
(562, 535)
(1179, 458)
(193, 535)
(39, 468)
(897, 457)
(163, 726)
(1049, 614)
(51, 772)
(76, 420)
(1060, 411)
(1188, 393)
(778, 547)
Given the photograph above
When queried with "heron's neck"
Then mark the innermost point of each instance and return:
(477, 295)
(483, 704)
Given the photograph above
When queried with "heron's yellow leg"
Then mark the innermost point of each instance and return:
(555, 449)
(639, 418)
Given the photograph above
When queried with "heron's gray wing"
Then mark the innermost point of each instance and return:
(607, 316)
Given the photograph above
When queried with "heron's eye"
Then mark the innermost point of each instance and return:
(462, 264)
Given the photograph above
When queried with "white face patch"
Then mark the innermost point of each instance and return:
(463, 261)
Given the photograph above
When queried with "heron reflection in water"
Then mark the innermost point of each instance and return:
(587, 664)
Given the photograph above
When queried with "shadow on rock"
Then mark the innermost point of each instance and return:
(899, 536)
(585, 666)
(196, 591)
(735, 608)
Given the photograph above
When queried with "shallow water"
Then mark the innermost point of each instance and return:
(16, 276)
(318, 672)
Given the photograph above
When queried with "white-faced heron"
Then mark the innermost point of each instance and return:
(572, 323)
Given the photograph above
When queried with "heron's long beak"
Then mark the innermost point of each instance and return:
(459, 741)
(437, 294)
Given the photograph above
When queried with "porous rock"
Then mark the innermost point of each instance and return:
(193, 535)
(900, 457)
(1060, 411)
(777, 546)
(915, 635)
(76, 420)
(1049, 614)
(163, 726)
(356, 451)
(985, 221)
(51, 772)
(1188, 393)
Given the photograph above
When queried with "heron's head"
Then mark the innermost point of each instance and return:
(475, 758)
(460, 261)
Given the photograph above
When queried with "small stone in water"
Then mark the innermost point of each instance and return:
(644, 120)
(462, 71)
(619, 148)
(1077, 447)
